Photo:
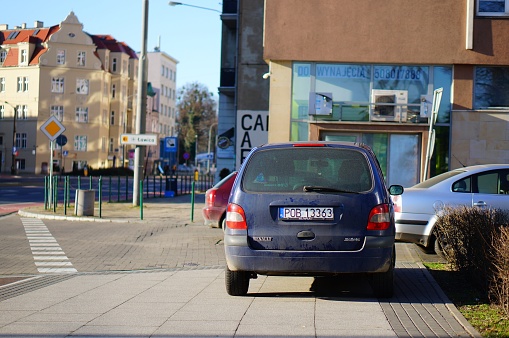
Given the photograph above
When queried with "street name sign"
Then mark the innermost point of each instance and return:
(139, 139)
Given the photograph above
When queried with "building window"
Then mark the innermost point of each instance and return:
(22, 112)
(114, 65)
(493, 7)
(112, 118)
(82, 86)
(24, 57)
(2, 112)
(20, 163)
(1, 140)
(58, 112)
(22, 84)
(21, 140)
(82, 56)
(105, 116)
(82, 114)
(113, 91)
(2, 84)
(112, 143)
(3, 55)
(80, 143)
(162, 70)
(60, 57)
(57, 85)
(491, 88)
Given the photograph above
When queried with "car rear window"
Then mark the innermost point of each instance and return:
(290, 169)
(437, 179)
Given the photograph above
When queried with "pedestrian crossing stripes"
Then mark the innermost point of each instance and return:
(48, 255)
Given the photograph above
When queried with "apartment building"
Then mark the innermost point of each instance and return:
(161, 110)
(366, 71)
(88, 82)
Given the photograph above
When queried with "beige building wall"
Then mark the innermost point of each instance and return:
(280, 101)
(479, 138)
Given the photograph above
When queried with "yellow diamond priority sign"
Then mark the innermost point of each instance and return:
(52, 128)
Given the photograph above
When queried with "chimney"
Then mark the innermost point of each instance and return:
(4, 27)
(38, 24)
(23, 25)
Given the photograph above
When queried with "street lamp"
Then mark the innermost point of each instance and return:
(176, 3)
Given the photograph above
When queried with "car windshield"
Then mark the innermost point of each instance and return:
(313, 169)
(437, 179)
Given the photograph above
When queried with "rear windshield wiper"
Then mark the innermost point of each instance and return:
(308, 188)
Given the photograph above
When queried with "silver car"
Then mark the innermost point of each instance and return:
(416, 209)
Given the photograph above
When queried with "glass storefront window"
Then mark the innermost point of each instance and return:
(301, 87)
(491, 88)
(442, 78)
(413, 79)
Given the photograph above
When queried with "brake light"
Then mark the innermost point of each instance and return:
(210, 197)
(397, 200)
(306, 144)
(235, 217)
(379, 218)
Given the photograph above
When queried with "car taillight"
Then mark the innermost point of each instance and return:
(397, 203)
(235, 217)
(211, 197)
(379, 218)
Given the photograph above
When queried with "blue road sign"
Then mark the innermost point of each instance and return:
(170, 144)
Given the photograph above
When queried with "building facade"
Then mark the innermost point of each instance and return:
(87, 82)
(244, 92)
(366, 71)
(161, 110)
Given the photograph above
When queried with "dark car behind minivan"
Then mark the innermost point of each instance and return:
(310, 209)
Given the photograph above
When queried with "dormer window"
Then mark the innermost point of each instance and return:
(24, 57)
(3, 55)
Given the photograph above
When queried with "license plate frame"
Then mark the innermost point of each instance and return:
(306, 213)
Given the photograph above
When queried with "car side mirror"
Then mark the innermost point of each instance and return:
(396, 189)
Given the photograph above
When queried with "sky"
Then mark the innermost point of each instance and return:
(190, 35)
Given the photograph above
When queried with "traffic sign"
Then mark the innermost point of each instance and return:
(139, 139)
(170, 144)
(52, 128)
(65, 153)
(61, 140)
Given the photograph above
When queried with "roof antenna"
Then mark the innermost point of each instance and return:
(459, 161)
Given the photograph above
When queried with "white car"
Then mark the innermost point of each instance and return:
(485, 186)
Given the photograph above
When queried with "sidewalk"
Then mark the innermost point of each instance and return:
(191, 300)
(154, 209)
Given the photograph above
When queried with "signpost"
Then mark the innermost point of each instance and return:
(139, 139)
(52, 128)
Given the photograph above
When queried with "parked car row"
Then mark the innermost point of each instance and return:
(323, 209)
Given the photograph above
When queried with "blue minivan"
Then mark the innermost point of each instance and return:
(310, 209)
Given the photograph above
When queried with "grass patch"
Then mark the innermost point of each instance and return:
(488, 319)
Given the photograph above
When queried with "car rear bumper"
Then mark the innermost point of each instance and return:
(376, 256)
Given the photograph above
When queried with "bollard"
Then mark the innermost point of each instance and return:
(141, 200)
(192, 201)
(79, 182)
(100, 195)
(90, 186)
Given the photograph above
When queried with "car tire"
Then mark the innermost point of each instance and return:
(382, 283)
(441, 247)
(237, 282)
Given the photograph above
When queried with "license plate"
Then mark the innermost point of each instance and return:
(306, 213)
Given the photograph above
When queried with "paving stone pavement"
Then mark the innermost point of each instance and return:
(163, 277)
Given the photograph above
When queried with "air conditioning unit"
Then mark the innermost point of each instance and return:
(389, 105)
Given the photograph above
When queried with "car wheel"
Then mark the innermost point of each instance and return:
(382, 283)
(237, 282)
(442, 248)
